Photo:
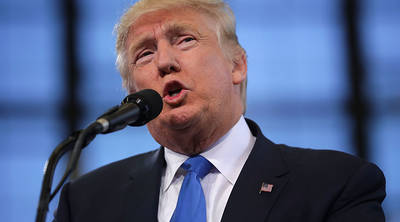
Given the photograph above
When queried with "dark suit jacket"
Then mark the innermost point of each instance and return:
(308, 185)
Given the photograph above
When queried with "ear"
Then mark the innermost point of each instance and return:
(239, 69)
(131, 88)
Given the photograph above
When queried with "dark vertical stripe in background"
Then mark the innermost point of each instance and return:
(305, 59)
(71, 107)
(357, 104)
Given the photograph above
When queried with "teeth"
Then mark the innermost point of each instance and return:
(174, 92)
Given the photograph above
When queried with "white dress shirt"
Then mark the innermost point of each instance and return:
(228, 156)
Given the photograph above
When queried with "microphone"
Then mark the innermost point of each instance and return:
(135, 110)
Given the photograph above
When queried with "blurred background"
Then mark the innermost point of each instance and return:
(323, 74)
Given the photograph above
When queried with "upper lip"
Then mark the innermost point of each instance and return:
(171, 86)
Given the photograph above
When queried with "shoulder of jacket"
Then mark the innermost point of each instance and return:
(316, 160)
(118, 168)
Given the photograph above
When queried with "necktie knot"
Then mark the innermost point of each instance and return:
(197, 164)
(191, 204)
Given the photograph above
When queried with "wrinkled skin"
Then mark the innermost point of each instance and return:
(179, 48)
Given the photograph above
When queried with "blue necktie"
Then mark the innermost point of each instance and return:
(191, 204)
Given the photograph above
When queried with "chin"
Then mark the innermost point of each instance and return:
(179, 118)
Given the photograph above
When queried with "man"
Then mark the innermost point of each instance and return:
(187, 50)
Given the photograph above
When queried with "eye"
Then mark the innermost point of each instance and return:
(188, 39)
(144, 56)
(185, 42)
(145, 53)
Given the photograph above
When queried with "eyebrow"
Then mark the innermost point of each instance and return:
(170, 31)
(174, 29)
(143, 40)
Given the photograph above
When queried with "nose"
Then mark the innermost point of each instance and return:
(166, 59)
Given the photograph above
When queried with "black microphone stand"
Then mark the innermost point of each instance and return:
(75, 142)
(136, 110)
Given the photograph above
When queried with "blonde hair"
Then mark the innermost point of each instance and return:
(217, 9)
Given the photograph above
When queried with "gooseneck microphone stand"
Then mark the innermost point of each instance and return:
(135, 110)
(75, 142)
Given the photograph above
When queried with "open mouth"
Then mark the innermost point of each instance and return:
(175, 92)
(172, 89)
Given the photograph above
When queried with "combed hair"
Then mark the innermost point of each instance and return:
(217, 9)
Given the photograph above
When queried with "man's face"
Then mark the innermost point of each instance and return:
(176, 52)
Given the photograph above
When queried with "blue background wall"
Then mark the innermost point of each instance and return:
(298, 85)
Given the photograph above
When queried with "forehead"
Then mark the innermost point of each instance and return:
(178, 18)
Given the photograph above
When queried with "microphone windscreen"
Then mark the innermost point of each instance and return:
(149, 102)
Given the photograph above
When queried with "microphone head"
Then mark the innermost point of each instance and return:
(149, 102)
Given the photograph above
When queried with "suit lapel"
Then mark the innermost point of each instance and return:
(264, 165)
(143, 188)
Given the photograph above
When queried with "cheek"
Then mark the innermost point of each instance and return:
(216, 71)
(139, 82)
(142, 79)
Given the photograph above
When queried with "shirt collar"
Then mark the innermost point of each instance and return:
(228, 154)
(174, 161)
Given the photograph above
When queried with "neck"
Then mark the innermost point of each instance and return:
(196, 139)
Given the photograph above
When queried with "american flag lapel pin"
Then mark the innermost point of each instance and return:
(266, 187)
